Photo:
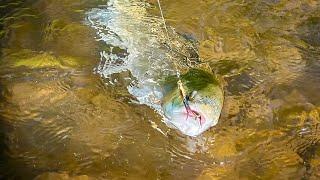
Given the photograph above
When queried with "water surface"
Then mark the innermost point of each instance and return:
(61, 118)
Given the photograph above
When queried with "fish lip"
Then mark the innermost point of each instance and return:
(185, 122)
(191, 112)
(188, 112)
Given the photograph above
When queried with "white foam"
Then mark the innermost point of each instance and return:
(125, 24)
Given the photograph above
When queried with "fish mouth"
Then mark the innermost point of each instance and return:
(191, 121)
(192, 114)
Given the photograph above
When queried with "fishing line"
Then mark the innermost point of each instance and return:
(179, 83)
(168, 37)
(164, 21)
(182, 91)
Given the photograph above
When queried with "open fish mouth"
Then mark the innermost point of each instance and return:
(191, 121)
(194, 115)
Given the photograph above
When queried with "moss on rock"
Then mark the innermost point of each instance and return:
(33, 60)
(44, 60)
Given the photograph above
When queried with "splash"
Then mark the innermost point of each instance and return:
(137, 43)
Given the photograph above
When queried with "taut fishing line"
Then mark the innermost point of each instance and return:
(179, 83)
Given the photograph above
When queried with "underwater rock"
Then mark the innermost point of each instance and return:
(45, 60)
(269, 161)
(223, 171)
(52, 25)
(230, 142)
(61, 176)
(73, 132)
(315, 164)
(263, 160)
(291, 110)
(224, 146)
(230, 110)
(284, 60)
(309, 31)
(30, 94)
(33, 60)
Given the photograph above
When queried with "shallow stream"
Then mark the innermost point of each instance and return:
(64, 116)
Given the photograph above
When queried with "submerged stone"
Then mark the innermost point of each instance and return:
(224, 148)
(72, 131)
(261, 161)
(315, 163)
(36, 95)
(61, 176)
(309, 31)
(34, 60)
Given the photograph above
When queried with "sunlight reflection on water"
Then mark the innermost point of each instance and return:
(60, 119)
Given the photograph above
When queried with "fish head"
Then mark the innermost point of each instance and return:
(200, 106)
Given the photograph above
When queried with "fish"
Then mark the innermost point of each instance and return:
(155, 57)
(200, 108)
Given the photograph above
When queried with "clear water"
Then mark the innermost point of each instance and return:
(65, 114)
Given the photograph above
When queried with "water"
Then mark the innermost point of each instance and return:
(61, 118)
(150, 53)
